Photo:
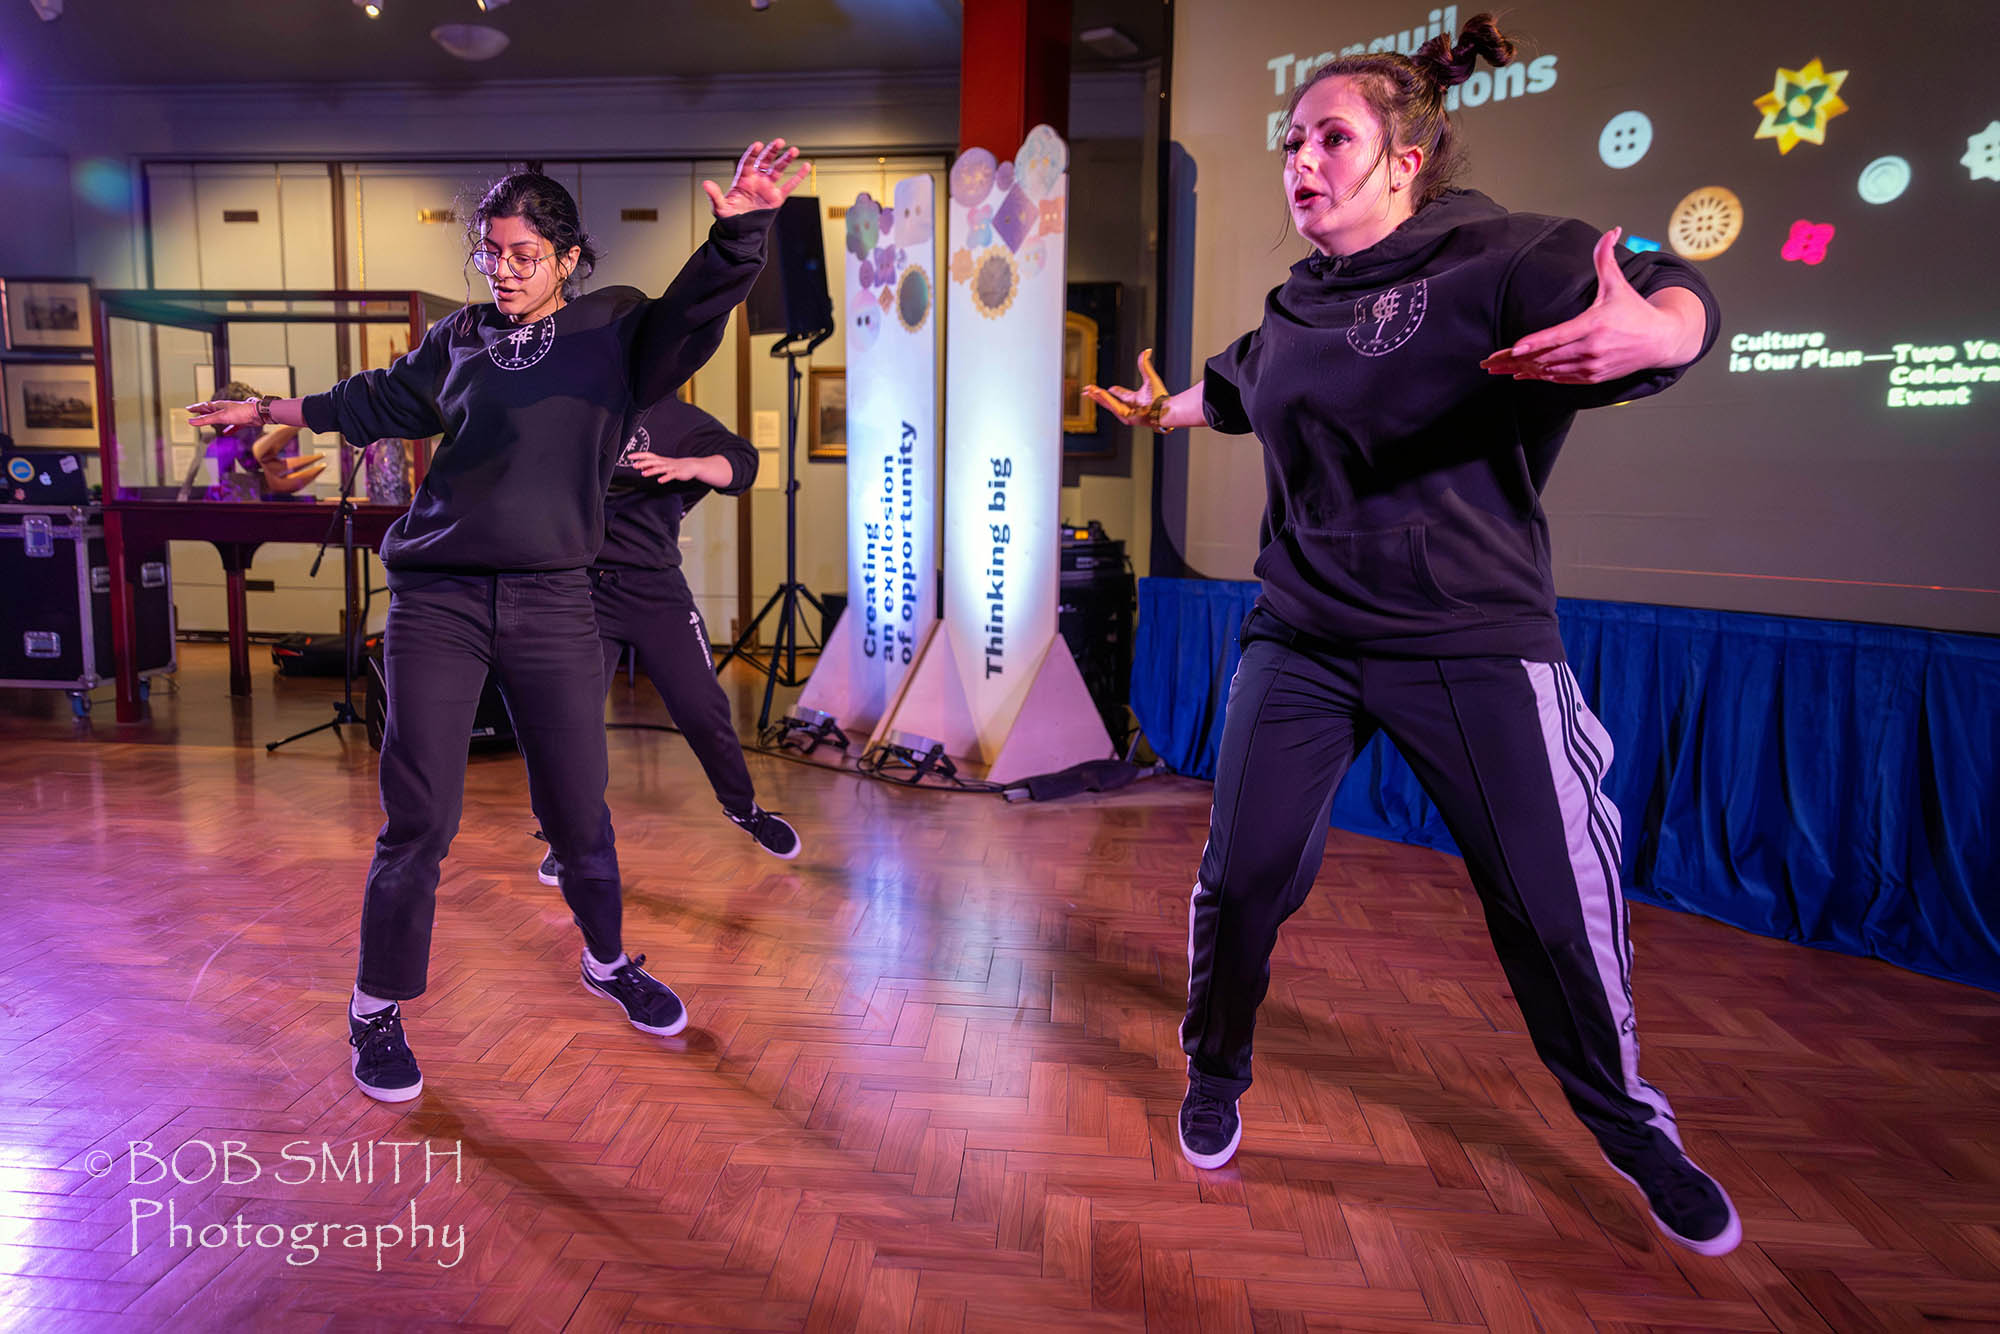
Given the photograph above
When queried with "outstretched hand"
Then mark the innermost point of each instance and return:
(223, 413)
(759, 181)
(1130, 405)
(1621, 333)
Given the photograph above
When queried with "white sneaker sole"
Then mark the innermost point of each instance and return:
(545, 877)
(382, 1094)
(1209, 1160)
(1722, 1243)
(667, 1032)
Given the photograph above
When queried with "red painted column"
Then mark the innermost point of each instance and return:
(1013, 73)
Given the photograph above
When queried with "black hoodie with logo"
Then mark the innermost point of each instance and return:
(533, 415)
(642, 517)
(1403, 515)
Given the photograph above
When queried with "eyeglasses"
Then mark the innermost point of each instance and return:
(521, 266)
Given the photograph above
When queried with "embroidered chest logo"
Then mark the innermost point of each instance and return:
(1385, 321)
(524, 347)
(640, 442)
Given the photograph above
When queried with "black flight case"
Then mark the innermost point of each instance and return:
(55, 615)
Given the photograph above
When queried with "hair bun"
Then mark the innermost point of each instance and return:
(1448, 64)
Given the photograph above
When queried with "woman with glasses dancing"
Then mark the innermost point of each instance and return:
(534, 395)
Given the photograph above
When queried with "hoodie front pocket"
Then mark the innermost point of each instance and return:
(1420, 561)
(1387, 571)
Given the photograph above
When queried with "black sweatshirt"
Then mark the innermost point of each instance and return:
(533, 415)
(1403, 482)
(642, 517)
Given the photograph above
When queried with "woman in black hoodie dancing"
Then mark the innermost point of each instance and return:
(533, 395)
(1407, 584)
(675, 456)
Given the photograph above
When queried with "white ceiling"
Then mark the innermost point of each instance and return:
(181, 42)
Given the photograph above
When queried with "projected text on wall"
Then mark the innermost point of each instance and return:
(1919, 375)
(1288, 71)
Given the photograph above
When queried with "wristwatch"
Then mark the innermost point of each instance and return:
(264, 402)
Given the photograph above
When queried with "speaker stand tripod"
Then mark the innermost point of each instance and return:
(788, 595)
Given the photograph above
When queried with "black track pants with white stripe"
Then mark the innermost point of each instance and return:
(654, 612)
(1514, 761)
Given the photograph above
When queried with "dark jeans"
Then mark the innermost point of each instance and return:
(654, 612)
(537, 634)
(1514, 761)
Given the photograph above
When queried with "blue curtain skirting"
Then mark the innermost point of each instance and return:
(1818, 781)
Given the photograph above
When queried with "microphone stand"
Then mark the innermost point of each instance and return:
(351, 635)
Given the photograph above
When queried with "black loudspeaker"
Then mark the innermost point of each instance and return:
(1094, 617)
(790, 295)
(490, 724)
(831, 605)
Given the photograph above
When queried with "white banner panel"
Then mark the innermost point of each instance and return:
(1003, 422)
(891, 313)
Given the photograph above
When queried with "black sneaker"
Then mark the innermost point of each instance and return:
(773, 833)
(1210, 1129)
(1687, 1204)
(550, 871)
(650, 1004)
(383, 1065)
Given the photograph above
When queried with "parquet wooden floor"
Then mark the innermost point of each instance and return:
(929, 1083)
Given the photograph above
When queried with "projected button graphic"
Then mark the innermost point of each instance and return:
(1625, 139)
(1982, 154)
(1884, 179)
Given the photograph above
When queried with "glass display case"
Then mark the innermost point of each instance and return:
(156, 352)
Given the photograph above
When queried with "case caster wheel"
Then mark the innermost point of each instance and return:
(146, 689)
(79, 704)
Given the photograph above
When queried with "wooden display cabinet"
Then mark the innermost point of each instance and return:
(143, 507)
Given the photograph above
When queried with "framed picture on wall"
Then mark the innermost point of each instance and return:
(46, 313)
(277, 381)
(827, 415)
(1090, 356)
(1079, 412)
(51, 405)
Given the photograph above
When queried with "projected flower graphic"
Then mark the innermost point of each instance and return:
(1799, 105)
(864, 226)
(1705, 223)
(1807, 242)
